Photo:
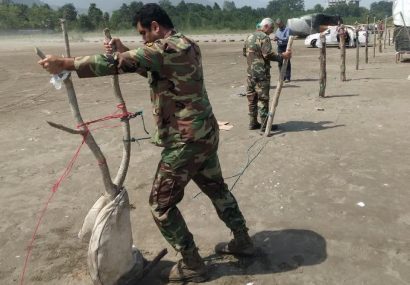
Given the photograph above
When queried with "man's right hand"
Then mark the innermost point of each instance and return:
(287, 54)
(114, 44)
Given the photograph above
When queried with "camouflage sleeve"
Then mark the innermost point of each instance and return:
(267, 51)
(139, 60)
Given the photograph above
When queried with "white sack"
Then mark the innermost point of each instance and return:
(89, 221)
(110, 252)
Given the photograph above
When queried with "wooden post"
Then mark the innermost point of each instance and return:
(357, 48)
(275, 100)
(374, 37)
(385, 33)
(342, 43)
(389, 37)
(380, 35)
(367, 42)
(323, 77)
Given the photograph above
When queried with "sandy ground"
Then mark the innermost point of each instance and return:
(300, 195)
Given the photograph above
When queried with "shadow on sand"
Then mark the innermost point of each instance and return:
(276, 251)
(300, 126)
(340, 96)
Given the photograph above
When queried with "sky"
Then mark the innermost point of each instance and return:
(109, 5)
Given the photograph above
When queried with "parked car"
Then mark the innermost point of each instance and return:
(330, 33)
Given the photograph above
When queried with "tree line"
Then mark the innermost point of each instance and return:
(186, 16)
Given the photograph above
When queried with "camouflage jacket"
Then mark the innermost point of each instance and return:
(181, 108)
(258, 51)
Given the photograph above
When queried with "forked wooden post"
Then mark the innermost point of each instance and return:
(357, 48)
(323, 76)
(110, 189)
(342, 43)
(367, 42)
(275, 100)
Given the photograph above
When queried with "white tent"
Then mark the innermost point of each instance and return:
(403, 7)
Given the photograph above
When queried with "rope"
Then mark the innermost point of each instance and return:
(50, 197)
(123, 115)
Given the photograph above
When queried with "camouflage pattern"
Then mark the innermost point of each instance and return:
(259, 53)
(257, 93)
(197, 161)
(173, 65)
(185, 126)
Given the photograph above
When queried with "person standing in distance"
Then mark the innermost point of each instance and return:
(282, 37)
(259, 53)
(186, 128)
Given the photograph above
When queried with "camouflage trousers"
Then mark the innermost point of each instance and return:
(257, 93)
(197, 161)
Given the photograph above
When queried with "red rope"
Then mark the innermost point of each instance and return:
(66, 172)
(43, 211)
(115, 115)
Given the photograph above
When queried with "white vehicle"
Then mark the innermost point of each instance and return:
(331, 37)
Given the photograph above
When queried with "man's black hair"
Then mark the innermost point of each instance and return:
(152, 12)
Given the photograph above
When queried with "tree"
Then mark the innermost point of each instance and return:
(229, 6)
(85, 24)
(95, 15)
(68, 12)
(318, 8)
(381, 9)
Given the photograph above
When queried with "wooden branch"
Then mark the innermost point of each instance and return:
(154, 262)
(278, 90)
(367, 42)
(126, 152)
(110, 189)
(357, 48)
(374, 37)
(385, 33)
(342, 57)
(323, 76)
(66, 129)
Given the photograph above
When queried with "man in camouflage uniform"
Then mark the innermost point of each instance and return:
(185, 127)
(259, 53)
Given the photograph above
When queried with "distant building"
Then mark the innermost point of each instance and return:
(331, 3)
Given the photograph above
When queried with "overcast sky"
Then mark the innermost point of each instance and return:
(109, 5)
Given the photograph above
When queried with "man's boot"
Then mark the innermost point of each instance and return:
(191, 268)
(241, 244)
(253, 123)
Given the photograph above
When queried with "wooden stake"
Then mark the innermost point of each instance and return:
(374, 36)
(379, 35)
(275, 100)
(367, 42)
(323, 77)
(389, 37)
(357, 48)
(342, 56)
(385, 33)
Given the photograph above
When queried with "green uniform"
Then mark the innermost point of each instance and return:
(185, 126)
(258, 51)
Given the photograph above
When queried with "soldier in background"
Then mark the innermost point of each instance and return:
(185, 127)
(259, 53)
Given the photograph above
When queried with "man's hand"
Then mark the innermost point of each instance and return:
(287, 54)
(56, 64)
(114, 45)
